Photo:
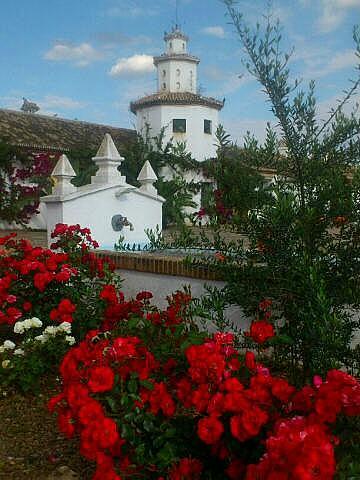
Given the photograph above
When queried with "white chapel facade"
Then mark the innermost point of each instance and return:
(177, 106)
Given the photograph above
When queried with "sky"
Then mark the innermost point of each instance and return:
(87, 59)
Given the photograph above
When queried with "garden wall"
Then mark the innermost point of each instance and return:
(163, 275)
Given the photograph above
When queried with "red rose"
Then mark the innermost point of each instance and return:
(210, 430)
(261, 331)
(66, 423)
(144, 296)
(250, 360)
(248, 423)
(187, 468)
(101, 379)
(27, 306)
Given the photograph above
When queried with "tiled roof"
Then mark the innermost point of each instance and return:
(175, 98)
(175, 56)
(42, 132)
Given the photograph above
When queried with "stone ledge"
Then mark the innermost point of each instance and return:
(157, 263)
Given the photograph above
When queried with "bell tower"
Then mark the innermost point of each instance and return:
(177, 108)
(176, 68)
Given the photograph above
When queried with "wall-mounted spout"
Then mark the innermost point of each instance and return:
(118, 222)
(128, 224)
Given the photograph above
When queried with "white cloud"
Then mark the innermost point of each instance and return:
(12, 101)
(62, 103)
(324, 107)
(135, 65)
(215, 31)
(114, 39)
(49, 104)
(80, 55)
(130, 8)
(342, 60)
(330, 64)
(334, 12)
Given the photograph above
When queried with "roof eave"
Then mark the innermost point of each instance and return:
(165, 58)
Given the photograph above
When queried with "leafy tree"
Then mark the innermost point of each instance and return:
(302, 229)
(174, 168)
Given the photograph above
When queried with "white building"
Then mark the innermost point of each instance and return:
(177, 106)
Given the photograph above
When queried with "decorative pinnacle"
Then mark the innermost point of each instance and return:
(147, 177)
(63, 168)
(108, 149)
(108, 159)
(63, 173)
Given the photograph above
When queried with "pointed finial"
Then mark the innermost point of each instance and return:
(108, 159)
(108, 149)
(147, 177)
(63, 173)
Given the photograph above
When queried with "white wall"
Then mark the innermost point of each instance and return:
(180, 76)
(176, 45)
(96, 209)
(200, 144)
(163, 285)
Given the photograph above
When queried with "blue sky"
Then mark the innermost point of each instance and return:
(87, 59)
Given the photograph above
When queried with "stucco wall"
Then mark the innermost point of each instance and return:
(163, 285)
(200, 144)
(177, 71)
(96, 210)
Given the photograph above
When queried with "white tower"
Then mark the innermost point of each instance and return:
(177, 106)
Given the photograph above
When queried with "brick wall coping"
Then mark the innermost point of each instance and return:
(157, 263)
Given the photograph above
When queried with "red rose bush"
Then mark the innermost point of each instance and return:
(49, 298)
(145, 391)
(150, 396)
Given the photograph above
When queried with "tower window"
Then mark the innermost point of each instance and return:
(164, 73)
(207, 126)
(164, 86)
(178, 72)
(183, 46)
(179, 125)
(178, 85)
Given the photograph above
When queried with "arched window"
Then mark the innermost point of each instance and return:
(178, 85)
(183, 46)
(178, 72)
(164, 86)
(170, 45)
(164, 73)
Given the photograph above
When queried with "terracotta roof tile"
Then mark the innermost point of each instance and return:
(175, 98)
(42, 132)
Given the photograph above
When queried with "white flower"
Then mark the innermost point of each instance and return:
(65, 327)
(70, 340)
(36, 322)
(27, 323)
(2, 349)
(9, 345)
(19, 327)
(5, 363)
(50, 330)
(19, 351)
(41, 338)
